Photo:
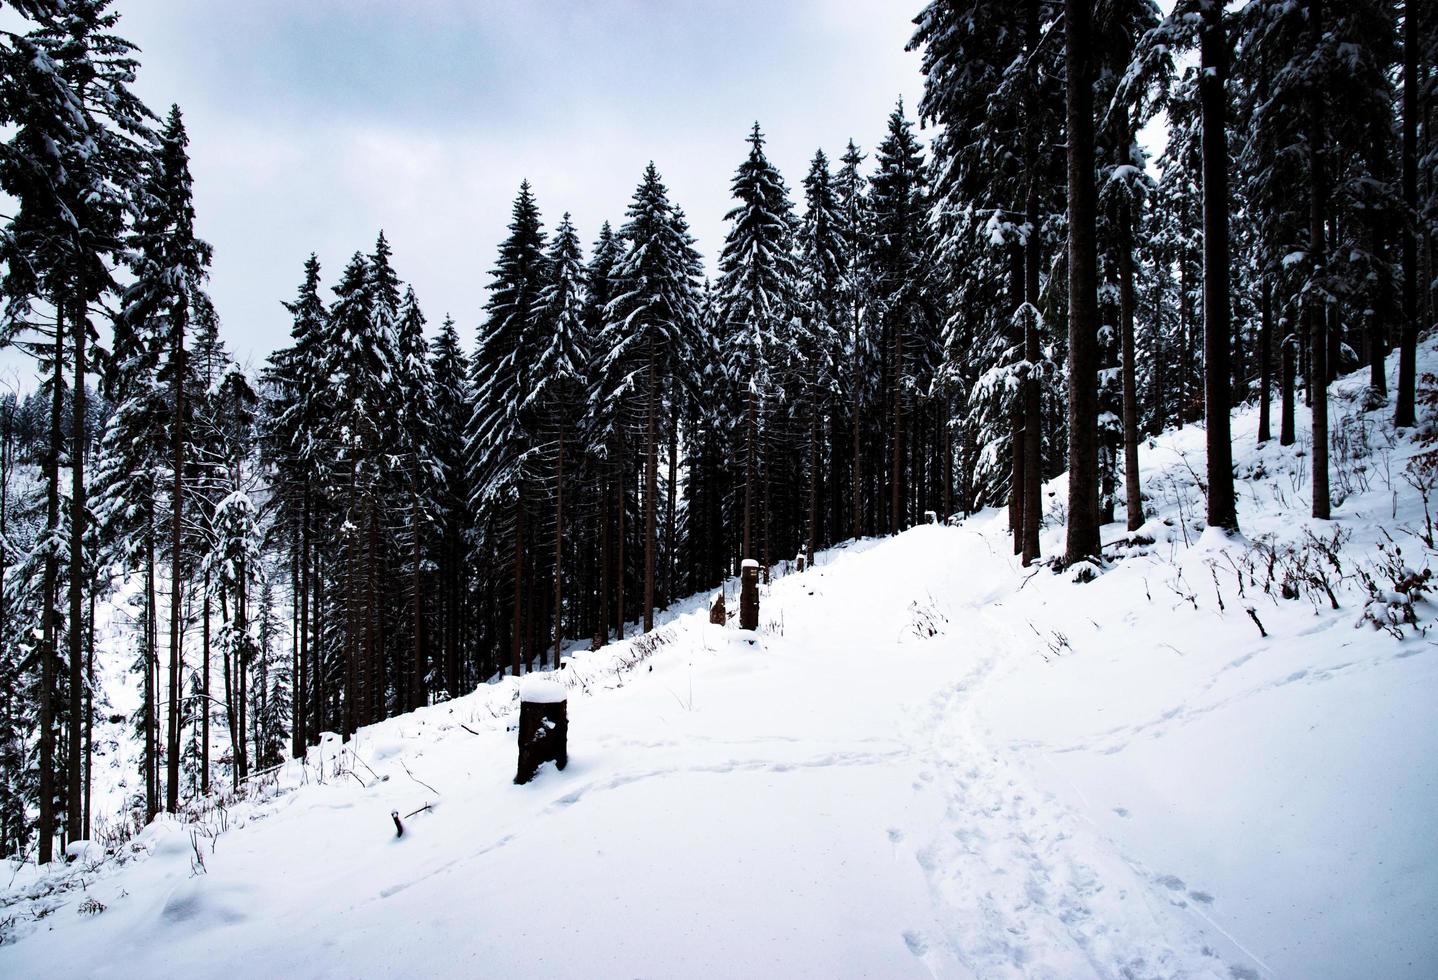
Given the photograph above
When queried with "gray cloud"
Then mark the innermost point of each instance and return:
(314, 125)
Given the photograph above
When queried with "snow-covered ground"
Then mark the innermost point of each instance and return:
(930, 762)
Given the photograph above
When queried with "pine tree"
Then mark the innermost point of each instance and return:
(561, 383)
(78, 139)
(645, 338)
(757, 295)
(451, 410)
(822, 249)
(500, 437)
(898, 201)
(418, 473)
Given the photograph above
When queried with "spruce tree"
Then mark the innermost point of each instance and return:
(757, 300)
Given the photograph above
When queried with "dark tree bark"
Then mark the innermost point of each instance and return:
(205, 687)
(1132, 486)
(74, 816)
(1083, 528)
(177, 524)
(543, 737)
(559, 549)
(651, 485)
(1265, 362)
(152, 667)
(516, 639)
(858, 450)
(1286, 434)
(749, 595)
(298, 738)
(619, 566)
(1032, 396)
(751, 436)
(1404, 411)
(671, 517)
(1217, 333)
(896, 462)
(419, 697)
(1317, 316)
(49, 647)
(813, 536)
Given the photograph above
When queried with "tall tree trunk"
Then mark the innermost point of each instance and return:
(231, 717)
(1404, 411)
(242, 665)
(651, 485)
(1033, 353)
(300, 661)
(516, 639)
(1083, 528)
(205, 686)
(177, 500)
(1286, 434)
(858, 462)
(418, 697)
(620, 491)
(896, 468)
(1185, 317)
(1265, 362)
(751, 436)
(49, 629)
(559, 550)
(317, 650)
(812, 541)
(1017, 422)
(602, 632)
(89, 707)
(1133, 486)
(152, 663)
(373, 651)
(1213, 79)
(671, 517)
(1318, 320)
(74, 816)
(1378, 316)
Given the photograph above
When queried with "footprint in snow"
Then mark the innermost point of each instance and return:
(1172, 882)
(916, 942)
(1122, 811)
(895, 835)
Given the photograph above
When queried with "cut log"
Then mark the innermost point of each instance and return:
(749, 595)
(543, 727)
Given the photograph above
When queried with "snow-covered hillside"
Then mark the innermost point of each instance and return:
(929, 762)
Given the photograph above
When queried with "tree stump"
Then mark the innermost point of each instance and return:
(717, 616)
(749, 595)
(799, 562)
(543, 727)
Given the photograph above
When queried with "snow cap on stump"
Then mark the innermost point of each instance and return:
(542, 690)
(750, 563)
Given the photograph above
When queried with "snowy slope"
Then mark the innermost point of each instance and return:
(931, 763)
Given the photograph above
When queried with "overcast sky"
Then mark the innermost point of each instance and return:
(315, 124)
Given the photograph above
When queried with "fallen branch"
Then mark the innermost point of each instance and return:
(418, 780)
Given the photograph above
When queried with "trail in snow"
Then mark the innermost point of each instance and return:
(931, 763)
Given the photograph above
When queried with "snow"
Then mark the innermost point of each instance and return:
(541, 690)
(749, 563)
(937, 763)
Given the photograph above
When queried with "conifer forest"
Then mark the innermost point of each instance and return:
(1118, 344)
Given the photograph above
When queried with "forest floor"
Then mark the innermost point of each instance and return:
(928, 762)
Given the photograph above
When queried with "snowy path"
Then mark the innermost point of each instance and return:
(888, 786)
